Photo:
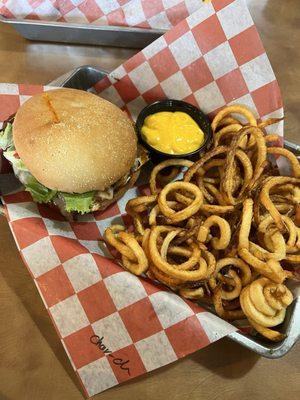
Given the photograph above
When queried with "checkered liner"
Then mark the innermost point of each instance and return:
(154, 14)
(212, 58)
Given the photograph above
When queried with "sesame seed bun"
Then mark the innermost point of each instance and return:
(73, 141)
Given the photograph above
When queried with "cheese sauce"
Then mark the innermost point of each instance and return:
(172, 132)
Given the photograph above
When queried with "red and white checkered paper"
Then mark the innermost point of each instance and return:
(212, 58)
(149, 14)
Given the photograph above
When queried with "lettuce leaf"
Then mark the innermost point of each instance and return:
(17, 163)
(7, 144)
(81, 203)
(6, 138)
(39, 192)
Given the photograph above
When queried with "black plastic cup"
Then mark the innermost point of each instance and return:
(174, 105)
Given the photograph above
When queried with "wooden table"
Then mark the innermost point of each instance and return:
(33, 364)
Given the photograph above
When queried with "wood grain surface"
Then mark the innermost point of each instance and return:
(33, 364)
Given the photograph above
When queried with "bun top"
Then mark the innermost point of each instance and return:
(74, 141)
